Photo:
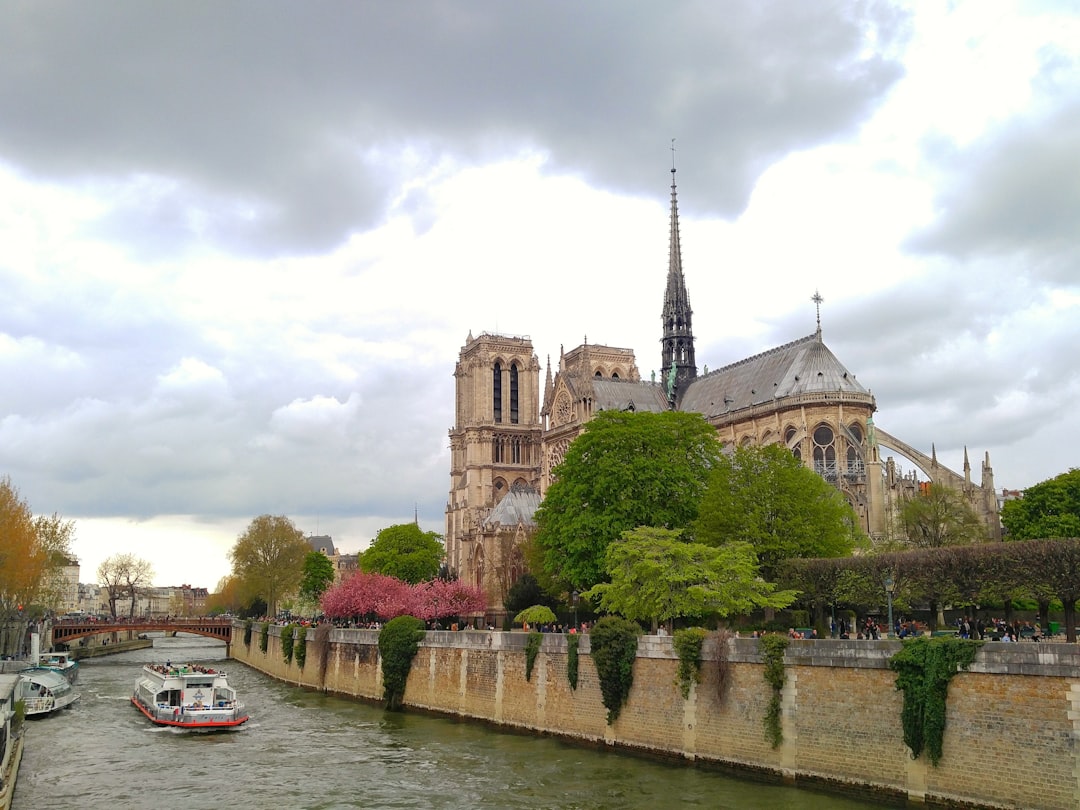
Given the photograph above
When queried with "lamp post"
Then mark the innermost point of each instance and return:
(889, 587)
(574, 597)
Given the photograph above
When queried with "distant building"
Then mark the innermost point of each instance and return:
(344, 564)
(508, 435)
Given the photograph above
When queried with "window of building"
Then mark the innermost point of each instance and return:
(513, 393)
(496, 391)
(825, 452)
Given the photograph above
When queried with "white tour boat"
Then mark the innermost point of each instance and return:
(189, 696)
(61, 662)
(45, 691)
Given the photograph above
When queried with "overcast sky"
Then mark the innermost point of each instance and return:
(241, 244)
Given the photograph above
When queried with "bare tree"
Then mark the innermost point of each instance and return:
(122, 575)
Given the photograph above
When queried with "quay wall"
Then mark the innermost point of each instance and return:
(1012, 718)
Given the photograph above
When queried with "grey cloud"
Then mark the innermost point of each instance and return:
(270, 116)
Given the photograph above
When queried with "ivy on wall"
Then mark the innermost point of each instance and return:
(572, 641)
(300, 647)
(287, 643)
(399, 640)
(247, 633)
(772, 648)
(264, 636)
(924, 666)
(688, 642)
(532, 649)
(614, 649)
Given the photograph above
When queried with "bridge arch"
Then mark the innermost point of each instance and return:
(67, 632)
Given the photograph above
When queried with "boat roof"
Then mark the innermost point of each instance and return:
(44, 676)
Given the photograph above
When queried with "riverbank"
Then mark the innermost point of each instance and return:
(1012, 712)
(97, 651)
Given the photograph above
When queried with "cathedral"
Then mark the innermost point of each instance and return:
(509, 435)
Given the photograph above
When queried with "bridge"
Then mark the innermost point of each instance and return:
(68, 631)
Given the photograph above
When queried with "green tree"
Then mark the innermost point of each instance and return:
(766, 497)
(939, 516)
(526, 592)
(1048, 509)
(656, 576)
(404, 552)
(625, 470)
(268, 558)
(316, 577)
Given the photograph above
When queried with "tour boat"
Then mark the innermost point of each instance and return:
(61, 662)
(189, 696)
(45, 691)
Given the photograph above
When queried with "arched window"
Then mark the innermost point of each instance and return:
(825, 452)
(513, 393)
(496, 391)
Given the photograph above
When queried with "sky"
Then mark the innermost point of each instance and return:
(242, 244)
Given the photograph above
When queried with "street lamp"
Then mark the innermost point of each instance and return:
(574, 597)
(890, 586)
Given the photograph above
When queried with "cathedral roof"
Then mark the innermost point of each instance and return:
(804, 366)
(518, 506)
(626, 395)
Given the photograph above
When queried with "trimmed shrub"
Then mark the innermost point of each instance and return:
(399, 640)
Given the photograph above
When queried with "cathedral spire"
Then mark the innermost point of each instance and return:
(678, 341)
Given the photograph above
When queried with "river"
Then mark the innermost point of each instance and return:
(302, 749)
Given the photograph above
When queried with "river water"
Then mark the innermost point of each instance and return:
(302, 749)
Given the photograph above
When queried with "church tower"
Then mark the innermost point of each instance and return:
(678, 340)
(495, 441)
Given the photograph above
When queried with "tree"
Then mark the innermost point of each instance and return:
(625, 470)
(269, 558)
(1048, 510)
(23, 565)
(939, 516)
(404, 551)
(122, 575)
(55, 536)
(526, 592)
(656, 576)
(766, 497)
(317, 576)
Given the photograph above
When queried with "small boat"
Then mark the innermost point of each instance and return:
(61, 662)
(188, 696)
(44, 691)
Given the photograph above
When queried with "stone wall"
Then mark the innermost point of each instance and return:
(1010, 738)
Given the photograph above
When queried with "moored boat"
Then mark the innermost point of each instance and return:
(189, 696)
(61, 662)
(45, 691)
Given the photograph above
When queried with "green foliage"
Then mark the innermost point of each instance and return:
(287, 643)
(688, 642)
(399, 640)
(264, 636)
(614, 649)
(317, 575)
(537, 614)
(924, 666)
(572, 641)
(404, 552)
(247, 632)
(1048, 510)
(532, 649)
(940, 517)
(657, 576)
(772, 653)
(19, 716)
(525, 593)
(268, 559)
(625, 470)
(300, 648)
(766, 497)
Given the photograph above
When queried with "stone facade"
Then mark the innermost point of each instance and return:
(1011, 719)
(508, 437)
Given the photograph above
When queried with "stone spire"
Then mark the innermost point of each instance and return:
(678, 340)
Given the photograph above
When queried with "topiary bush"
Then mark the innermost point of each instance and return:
(614, 648)
(532, 649)
(300, 647)
(399, 640)
(772, 653)
(287, 643)
(924, 666)
(572, 641)
(264, 636)
(688, 643)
